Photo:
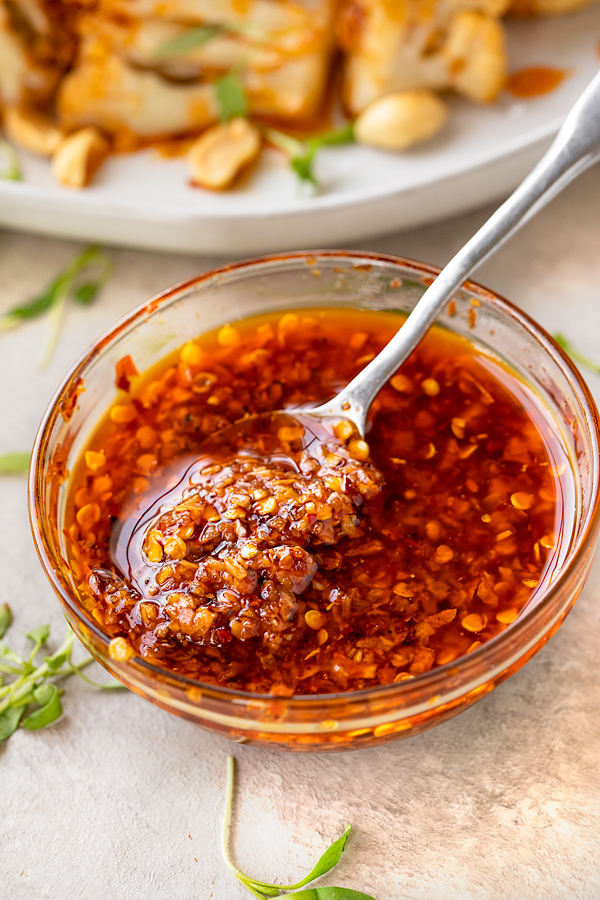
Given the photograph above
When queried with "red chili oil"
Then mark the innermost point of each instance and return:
(253, 576)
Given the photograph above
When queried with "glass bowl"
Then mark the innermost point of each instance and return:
(343, 720)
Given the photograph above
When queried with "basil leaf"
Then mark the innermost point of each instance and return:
(189, 40)
(330, 893)
(9, 721)
(5, 619)
(12, 167)
(39, 634)
(50, 707)
(14, 463)
(230, 96)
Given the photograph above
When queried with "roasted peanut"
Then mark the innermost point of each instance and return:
(78, 157)
(31, 131)
(398, 121)
(223, 152)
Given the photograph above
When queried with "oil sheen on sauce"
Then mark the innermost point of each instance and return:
(261, 579)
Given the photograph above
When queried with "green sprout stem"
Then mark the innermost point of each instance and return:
(575, 354)
(19, 689)
(53, 298)
(36, 686)
(265, 889)
(12, 167)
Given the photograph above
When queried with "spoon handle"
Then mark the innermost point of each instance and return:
(576, 148)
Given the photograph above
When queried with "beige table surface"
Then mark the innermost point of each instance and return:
(120, 800)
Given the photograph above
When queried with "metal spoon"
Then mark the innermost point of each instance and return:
(575, 149)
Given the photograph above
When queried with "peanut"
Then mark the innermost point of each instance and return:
(223, 152)
(78, 157)
(398, 121)
(31, 131)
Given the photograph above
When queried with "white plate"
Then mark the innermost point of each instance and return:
(142, 200)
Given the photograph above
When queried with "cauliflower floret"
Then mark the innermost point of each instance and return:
(457, 44)
(126, 76)
(28, 73)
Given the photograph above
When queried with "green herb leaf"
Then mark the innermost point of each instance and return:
(578, 357)
(50, 707)
(56, 661)
(11, 170)
(302, 155)
(192, 38)
(9, 721)
(14, 463)
(33, 683)
(112, 685)
(35, 307)
(52, 299)
(5, 619)
(65, 284)
(327, 861)
(87, 293)
(9, 655)
(330, 893)
(342, 135)
(302, 166)
(264, 889)
(230, 96)
(39, 635)
(189, 40)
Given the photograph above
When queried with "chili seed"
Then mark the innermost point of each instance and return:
(94, 460)
(474, 622)
(315, 619)
(521, 500)
(430, 386)
(88, 516)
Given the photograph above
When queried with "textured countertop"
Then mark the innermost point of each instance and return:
(120, 800)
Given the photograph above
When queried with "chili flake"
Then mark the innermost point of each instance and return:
(364, 562)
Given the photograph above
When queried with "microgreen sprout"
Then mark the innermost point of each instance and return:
(231, 97)
(578, 357)
(14, 463)
(52, 299)
(10, 167)
(264, 889)
(193, 38)
(188, 40)
(31, 700)
(303, 153)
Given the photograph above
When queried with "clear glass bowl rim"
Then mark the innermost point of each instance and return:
(463, 670)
